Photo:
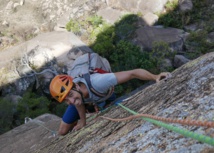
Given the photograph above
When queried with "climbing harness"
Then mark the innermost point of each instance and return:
(113, 104)
(27, 119)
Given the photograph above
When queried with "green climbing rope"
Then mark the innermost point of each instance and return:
(199, 137)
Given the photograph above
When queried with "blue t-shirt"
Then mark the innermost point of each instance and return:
(100, 82)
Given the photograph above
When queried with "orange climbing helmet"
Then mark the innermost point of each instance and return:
(60, 87)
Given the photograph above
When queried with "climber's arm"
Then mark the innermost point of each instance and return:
(82, 113)
(141, 74)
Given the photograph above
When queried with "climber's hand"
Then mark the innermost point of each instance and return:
(79, 125)
(163, 76)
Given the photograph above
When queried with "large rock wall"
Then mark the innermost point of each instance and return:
(137, 6)
(189, 94)
(31, 136)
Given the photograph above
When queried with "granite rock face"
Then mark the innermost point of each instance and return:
(188, 94)
(32, 135)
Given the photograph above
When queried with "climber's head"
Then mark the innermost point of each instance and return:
(62, 88)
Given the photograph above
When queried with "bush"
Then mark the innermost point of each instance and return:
(31, 105)
(95, 20)
(127, 56)
(7, 110)
(125, 26)
(172, 17)
(58, 108)
(199, 44)
(73, 26)
(161, 51)
(104, 44)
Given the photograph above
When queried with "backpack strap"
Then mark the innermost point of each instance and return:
(89, 64)
(105, 96)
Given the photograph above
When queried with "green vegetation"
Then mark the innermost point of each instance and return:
(108, 39)
(57, 108)
(161, 51)
(201, 15)
(73, 26)
(12, 115)
(92, 26)
(32, 105)
(6, 115)
(172, 17)
(127, 56)
(95, 21)
(198, 45)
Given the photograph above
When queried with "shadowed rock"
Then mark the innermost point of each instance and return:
(31, 136)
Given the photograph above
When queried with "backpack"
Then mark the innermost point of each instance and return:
(90, 63)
